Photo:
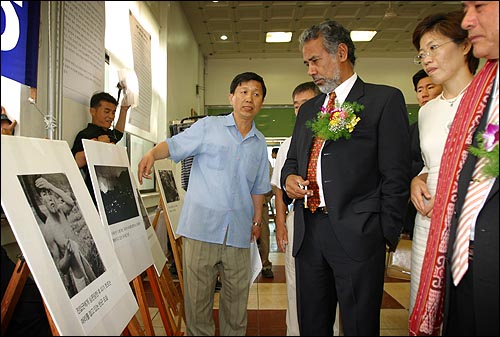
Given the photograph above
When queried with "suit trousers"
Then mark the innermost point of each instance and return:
(264, 240)
(292, 323)
(326, 275)
(202, 261)
(461, 321)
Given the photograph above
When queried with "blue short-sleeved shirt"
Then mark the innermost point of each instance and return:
(226, 170)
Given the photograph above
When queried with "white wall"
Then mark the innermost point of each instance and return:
(282, 75)
(184, 66)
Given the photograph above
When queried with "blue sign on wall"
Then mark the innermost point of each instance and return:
(20, 23)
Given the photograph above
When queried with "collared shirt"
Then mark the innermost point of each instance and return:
(341, 93)
(280, 161)
(226, 170)
(491, 181)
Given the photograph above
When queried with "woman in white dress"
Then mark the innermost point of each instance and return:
(445, 53)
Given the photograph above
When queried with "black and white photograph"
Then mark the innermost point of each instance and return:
(66, 234)
(116, 193)
(169, 186)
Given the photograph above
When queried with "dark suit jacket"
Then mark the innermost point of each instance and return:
(417, 163)
(366, 178)
(486, 249)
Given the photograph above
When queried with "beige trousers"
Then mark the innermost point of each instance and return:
(202, 262)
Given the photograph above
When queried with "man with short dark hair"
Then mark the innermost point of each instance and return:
(424, 87)
(222, 210)
(102, 109)
(274, 152)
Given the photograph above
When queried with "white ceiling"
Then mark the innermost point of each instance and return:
(246, 24)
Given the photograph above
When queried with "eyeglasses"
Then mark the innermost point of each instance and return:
(432, 50)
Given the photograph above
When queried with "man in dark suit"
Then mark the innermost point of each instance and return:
(472, 306)
(363, 183)
(470, 280)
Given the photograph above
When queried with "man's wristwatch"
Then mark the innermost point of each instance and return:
(255, 223)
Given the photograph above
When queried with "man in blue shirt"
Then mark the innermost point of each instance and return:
(222, 209)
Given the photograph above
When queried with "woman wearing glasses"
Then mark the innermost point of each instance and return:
(445, 53)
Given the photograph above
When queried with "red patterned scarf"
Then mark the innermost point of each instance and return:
(427, 314)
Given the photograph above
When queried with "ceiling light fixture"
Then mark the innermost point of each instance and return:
(390, 13)
(276, 37)
(362, 35)
(223, 37)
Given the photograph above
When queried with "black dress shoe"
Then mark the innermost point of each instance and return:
(267, 273)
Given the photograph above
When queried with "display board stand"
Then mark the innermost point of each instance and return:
(13, 293)
(173, 297)
(21, 273)
(172, 293)
(175, 244)
(133, 328)
(171, 327)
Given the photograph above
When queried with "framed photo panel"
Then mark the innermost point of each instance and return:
(62, 239)
(169, 190)
(159, 257)
(118, 205)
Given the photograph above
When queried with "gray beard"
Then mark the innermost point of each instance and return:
(330, 85)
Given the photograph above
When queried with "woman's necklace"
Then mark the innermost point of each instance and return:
(454, 99)
(449, 101)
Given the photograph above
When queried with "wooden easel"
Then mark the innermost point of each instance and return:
(133, 328)
(175, 244)
(173, 297)
(13, 293)
(21, 273)
(142, 301)
(161, 291)
(171, 292)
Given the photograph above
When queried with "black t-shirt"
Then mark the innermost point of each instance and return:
(90, 132)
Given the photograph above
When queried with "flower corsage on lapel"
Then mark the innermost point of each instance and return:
(337, 122)
(488, 148)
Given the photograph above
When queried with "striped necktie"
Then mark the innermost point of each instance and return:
(477, 192)
(314, 200)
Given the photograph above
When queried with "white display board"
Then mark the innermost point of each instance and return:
(159, 257)
(117, 202)
(172, 199)
(62, 239)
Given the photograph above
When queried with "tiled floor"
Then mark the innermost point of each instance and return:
(268, 301)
